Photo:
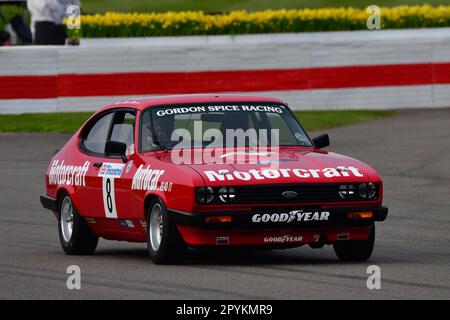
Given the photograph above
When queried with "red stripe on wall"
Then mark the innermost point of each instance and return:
(72, 85)
(24, 87)
(441, 73)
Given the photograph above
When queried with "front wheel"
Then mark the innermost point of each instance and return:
(355, 251)
(75, 236)
(164, 242)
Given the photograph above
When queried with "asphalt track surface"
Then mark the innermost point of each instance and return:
(411, 151)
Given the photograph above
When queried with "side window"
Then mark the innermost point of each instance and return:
(95, 140)
(123, 129)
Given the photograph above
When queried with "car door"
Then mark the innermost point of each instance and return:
(116, 185)
(109, 183)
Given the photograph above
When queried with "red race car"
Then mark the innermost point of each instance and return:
(209, 171)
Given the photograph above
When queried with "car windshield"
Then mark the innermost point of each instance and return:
(236, 125)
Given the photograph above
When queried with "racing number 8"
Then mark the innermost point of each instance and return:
(108, 195)
(109, 201)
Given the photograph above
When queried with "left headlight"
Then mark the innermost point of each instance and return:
(367, 191)
(347, 191)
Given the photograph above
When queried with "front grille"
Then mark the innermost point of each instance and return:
(274, 194)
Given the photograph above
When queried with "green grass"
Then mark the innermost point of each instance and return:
(319, 120)
(229, 5)
(70, 122)
(43, 122)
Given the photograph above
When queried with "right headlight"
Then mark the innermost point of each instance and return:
(227, 194)
(204, 195)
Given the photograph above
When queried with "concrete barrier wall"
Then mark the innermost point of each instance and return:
(334, 70)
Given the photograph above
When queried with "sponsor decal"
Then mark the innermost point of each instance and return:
(268, 174)
(165, 186)
(130, 150)
(283, 239)
(144, 224)
(129, 166)
(131, 102)
(292, 216)
(126, 223)
(111, 170)
(67, 174)
(90, 220)
(343, 236)
(249, 154)
(223, 240)
(219, 108)
(146, 178)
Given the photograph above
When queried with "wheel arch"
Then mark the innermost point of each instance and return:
(71, 193)
(149, 198)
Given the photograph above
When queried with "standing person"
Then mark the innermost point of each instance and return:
(47, 20)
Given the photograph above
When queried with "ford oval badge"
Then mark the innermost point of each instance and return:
(289, 194)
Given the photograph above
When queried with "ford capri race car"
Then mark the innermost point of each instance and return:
(209, 171)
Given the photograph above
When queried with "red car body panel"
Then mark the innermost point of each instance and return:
(74, 171)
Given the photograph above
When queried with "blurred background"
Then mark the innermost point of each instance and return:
(58, 57)
(13, 10)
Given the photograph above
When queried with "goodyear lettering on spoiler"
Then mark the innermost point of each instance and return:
(283, 239)
(226, 175)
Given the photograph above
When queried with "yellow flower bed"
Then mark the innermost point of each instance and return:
(114, 24)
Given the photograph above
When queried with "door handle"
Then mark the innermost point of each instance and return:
(98, 164)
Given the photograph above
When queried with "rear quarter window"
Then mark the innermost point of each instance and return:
(95, 140)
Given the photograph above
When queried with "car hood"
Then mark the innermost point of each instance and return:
(285, 165)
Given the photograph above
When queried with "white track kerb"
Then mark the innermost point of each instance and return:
(394, 69)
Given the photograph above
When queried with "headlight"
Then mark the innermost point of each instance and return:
(204, 195)
(227, 194)
(347, 191)
(367, 191)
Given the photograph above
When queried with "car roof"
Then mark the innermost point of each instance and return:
(142, 103)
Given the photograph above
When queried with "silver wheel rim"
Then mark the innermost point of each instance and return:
(156, 226)
(67, 219)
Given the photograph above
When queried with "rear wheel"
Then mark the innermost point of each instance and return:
(355, 251)
(164, 242)
(75, 236)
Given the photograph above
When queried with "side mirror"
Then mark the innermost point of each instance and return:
(322, 141)
(116, 148)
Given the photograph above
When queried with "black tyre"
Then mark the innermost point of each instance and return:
(164, 242)
(74, 234)
(355, 251)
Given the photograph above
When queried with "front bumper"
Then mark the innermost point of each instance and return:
(243, 231)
